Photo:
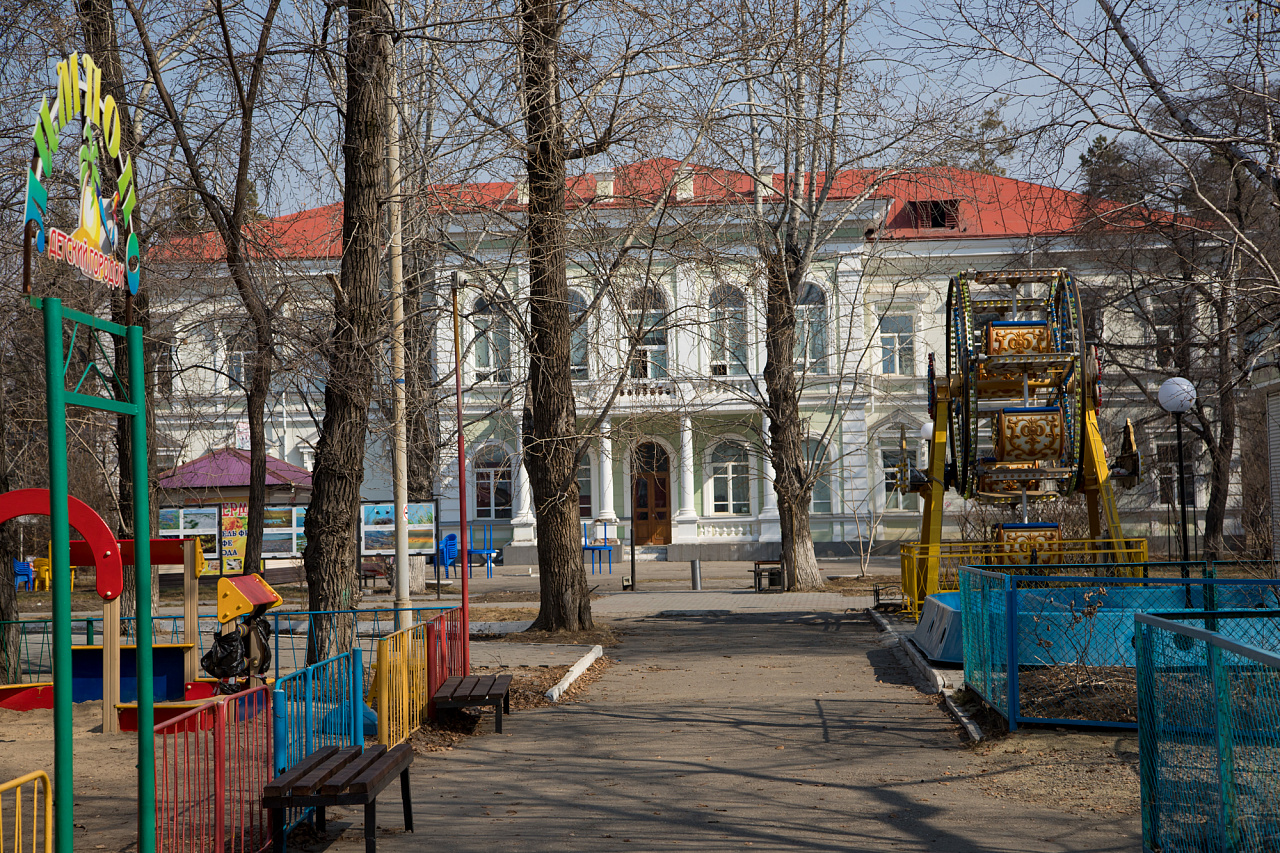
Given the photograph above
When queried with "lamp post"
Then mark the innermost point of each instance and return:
(1177, 396)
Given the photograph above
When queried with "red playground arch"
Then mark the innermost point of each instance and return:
(106, 552)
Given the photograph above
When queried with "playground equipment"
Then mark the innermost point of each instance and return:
(244, 649)
(28, 831)
(1015, 423)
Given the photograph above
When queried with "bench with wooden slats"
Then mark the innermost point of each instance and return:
(476, 690)
(339, 777)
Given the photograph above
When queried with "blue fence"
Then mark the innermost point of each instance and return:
(1209, 731)
(31, 659)
(319, 705)
(1045, 649)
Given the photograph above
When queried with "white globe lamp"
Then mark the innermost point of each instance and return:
(1177, 395)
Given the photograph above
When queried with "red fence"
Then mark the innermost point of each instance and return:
(448, 650)
(211, 765)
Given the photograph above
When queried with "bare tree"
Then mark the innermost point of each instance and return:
(329, 558)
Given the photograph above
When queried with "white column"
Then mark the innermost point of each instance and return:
(685, 528)
(770, 527)
(607, 514)
(523, 521)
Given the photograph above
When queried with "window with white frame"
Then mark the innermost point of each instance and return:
(647, 325)
(811, 330)
(815, 454)
(492, 343)
(166, 364)
(1167, 473)
(891, 463)
(897, 345)
(240, 354)
(728, 331)
(584, 488)
(492, 467)
(579, 338)
(730, 475)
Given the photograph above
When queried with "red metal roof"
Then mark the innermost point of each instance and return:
(987, 206)
(228, 468)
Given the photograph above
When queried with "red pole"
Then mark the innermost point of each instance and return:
(463, 563)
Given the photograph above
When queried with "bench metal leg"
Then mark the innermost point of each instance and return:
(321, 820)
(506, 702)
(497, 717)
(277, 830)
(408, 802)
(371, 826)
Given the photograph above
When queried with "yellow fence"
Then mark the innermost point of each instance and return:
(402, 682)
(13, 826)
(927, 569)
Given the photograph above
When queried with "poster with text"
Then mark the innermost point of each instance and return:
(235, 521)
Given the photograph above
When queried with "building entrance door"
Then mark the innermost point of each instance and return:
(651, 495)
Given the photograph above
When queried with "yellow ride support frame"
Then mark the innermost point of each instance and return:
(922, 580)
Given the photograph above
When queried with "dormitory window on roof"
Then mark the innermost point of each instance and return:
(944, 213)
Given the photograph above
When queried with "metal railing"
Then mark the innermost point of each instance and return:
(211, 765)
(1060, 649)
(32, 659)
(319, 705)
(38, 829)
(412, 665)
(297, 634)
(927, 569)
(1209, 731)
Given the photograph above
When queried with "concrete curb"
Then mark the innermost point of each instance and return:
(576, 670)
(938, 680)
(493, 628)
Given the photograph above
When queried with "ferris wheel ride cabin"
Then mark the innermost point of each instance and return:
(1015, 423)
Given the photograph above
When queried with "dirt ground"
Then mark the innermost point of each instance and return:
(105, 768)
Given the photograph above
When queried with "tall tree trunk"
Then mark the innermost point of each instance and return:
(1221, 450)
(256, 404)
(101, 39)
(10, 550)
(330, 556)
(550, 416)
(422, 403)
(793, 476)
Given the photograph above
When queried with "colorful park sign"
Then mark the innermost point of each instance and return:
(104, 229)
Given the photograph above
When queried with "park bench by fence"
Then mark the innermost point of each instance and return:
(476, 691)
(340, 777)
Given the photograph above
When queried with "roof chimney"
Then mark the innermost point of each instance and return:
(764, 179)
(604, 185)
(684, 183)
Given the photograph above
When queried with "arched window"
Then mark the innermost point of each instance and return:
(647, 325)
(815, 454)
(492, 344)
(728, 331)
(579, 365)
(492, 467)
(890, 463)
(811, 330)
(730, 479)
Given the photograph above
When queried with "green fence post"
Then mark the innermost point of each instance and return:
(60, 572)
(1221, 694)
(142, 571)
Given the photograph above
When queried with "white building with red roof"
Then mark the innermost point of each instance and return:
(673, 414)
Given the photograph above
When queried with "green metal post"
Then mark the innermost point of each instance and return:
(142, 571)
(60, 570)
(1228, 828)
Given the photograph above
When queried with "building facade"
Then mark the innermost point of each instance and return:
(668, 353)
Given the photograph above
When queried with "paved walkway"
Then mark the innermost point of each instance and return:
(725, 601)
(769, 731)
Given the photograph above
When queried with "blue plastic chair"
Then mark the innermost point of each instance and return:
(24, 573)
(448, 552)
(486, 550)
(598, 552)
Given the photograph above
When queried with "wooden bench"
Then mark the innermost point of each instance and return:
(339, 777)
(476, 690)
(768, 575)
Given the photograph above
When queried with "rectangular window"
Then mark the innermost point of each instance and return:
(493, 494)
(584, 489)
(1167, 473)
(493, 349)
(894, 499)
(166, 361)
(897, 345)
(943, 213)
(650, 358)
